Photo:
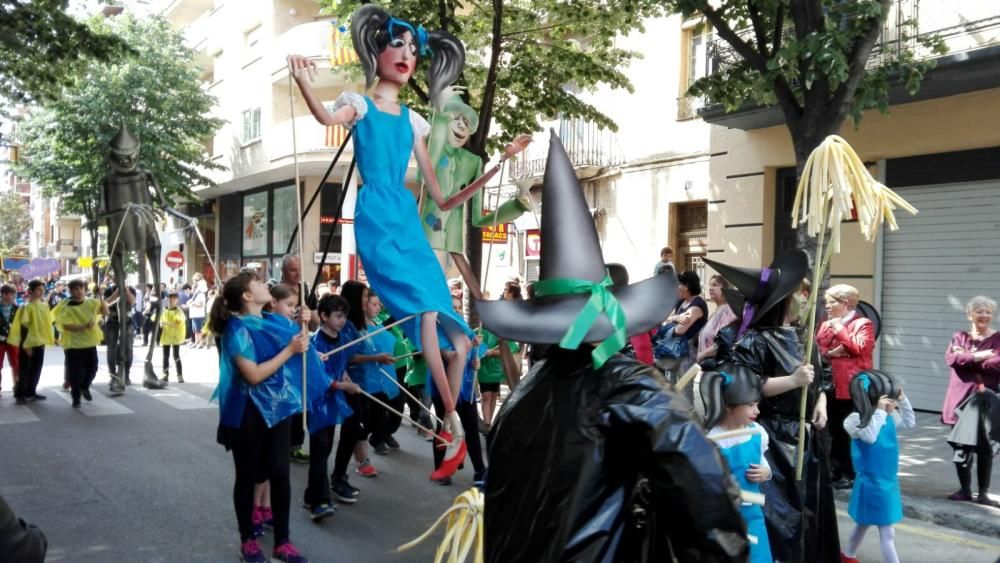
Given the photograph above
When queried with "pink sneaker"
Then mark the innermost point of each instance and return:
(366, 469)
(250, 552)
(286, 552)
(258, 522)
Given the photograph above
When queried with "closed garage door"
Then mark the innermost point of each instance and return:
(932, 266)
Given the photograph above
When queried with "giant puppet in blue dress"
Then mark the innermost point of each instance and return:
(399, 262)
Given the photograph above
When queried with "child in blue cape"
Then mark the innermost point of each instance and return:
(260, 387)
(363, 368)
(730, 399)
(381, 380)
(875, 498)
(332, 310)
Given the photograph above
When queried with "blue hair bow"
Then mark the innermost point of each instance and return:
(419, 34)
(726, 378)
(865, 381)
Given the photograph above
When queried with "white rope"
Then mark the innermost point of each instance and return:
(410, 395)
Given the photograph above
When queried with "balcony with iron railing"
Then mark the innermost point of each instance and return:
(970, 30)
(589, 147)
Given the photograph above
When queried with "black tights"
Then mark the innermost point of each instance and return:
(259, 450)
(964, 458)
(470, 423)
(166, 357)
(320, 445)
(350, 434)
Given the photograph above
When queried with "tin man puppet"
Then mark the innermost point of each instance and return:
(127, 201)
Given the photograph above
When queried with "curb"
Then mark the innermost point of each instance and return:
(964, 516)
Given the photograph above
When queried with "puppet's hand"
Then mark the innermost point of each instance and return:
(445, 95)
(524, 184)
(301, 68)
(520, 143)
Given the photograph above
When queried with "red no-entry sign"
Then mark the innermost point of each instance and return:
(174, 259)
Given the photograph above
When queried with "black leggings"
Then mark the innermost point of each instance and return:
(350, 434)
(965, 456)
(166, 357)
(470, 423)
(840, 448)
(258, 449)
(320, 446)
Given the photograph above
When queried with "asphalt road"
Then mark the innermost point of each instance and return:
(140, 478)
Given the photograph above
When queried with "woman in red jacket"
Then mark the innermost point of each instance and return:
(847, 340)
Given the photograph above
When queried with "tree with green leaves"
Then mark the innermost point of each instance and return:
(15, 221)
(532, 59)
(155, 91)
(42, 48)
(813, 58)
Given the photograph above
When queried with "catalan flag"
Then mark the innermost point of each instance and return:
(341, 49)
(334, 135)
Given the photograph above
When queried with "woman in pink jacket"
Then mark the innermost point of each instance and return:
(974, 359)
(847, 341)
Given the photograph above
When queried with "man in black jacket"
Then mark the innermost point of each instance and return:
(20, 542)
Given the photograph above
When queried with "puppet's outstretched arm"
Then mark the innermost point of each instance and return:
(303, 70)
(460, 197)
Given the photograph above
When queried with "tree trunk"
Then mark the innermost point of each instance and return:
(92, 227)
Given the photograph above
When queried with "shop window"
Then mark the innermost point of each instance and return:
(255, 224)
(284, 219)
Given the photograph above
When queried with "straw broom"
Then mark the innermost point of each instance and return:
(834, 182)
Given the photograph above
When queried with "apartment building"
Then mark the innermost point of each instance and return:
(248, 217)
(939, 149)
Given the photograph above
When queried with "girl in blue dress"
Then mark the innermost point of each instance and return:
(401, 267)
(730, 399)
(875, 499)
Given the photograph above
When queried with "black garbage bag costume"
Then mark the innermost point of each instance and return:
(801, 517)
(593, 457)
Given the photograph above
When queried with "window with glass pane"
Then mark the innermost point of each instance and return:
(284, 218)
(251, 125)
(255, 227)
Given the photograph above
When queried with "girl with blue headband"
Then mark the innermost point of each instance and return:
(401, 267)
(730, 399)
(875, 498)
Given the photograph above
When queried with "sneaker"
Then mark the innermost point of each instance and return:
(20, 401)
(443, 482)
(258, 522)
(267, 516)
(366, 469)
(37, 397)
(960, 496)
(381, 448)
(479, 480)
(343, 492)
(86, 394)
(843, 483)
(287, 552)
(322, 511)
(299, 455)
(250, 552)
(392, 443)
(76, 403)
(846, 559)
(985, 500)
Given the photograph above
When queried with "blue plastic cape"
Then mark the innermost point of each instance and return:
(259, 339)
(334, 367)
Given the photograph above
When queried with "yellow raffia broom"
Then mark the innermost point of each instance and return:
(464, 532)
(834, 182)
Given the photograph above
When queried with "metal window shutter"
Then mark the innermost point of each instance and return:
(936, 261)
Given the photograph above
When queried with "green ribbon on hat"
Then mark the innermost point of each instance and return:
(601, 301)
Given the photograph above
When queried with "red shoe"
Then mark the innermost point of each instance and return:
(366, 469)
(846, 559)
(450, 464)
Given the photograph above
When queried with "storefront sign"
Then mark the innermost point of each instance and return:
(328, 220)
(14, 262)
(496, 234)
(331, 258)
(532, 243)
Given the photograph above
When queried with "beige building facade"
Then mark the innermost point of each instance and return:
(940, 150)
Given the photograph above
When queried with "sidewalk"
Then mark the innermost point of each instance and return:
(927, 476)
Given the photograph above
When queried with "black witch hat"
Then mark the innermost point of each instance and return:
(575, 298)
(867, 387)
(762, 289)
